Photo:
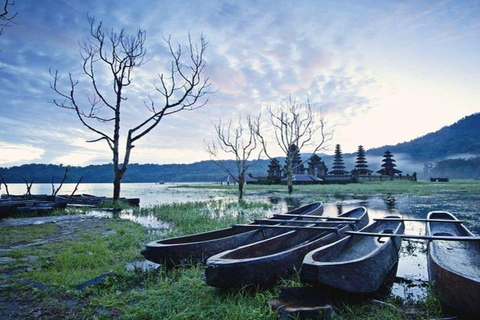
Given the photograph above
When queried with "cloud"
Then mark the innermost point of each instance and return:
(16, 154)
(348, 56)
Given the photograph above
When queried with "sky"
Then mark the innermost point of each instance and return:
(381, 72)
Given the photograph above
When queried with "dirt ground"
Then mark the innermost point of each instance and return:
(15, 306)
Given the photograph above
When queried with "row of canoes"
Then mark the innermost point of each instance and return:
(28, 206)
(342, 252)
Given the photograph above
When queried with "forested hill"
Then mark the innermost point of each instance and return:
(199, 171)
(460, 140)
(457, 140)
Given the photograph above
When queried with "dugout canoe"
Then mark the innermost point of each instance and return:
(356, 263)
(265, 262)
(199, 247)
(454, 266)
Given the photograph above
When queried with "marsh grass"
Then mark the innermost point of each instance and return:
(195, 217)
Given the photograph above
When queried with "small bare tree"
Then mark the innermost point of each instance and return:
(120, 55)
(5, 183)
(295, 124)
(239, 141)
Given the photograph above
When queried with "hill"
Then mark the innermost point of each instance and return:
(453, 151)
(461, 139)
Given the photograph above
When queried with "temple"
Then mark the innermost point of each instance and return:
(316, 172)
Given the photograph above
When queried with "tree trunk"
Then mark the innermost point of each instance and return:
(117, 182)
(290, 178)
(116, 185)
(241, 182)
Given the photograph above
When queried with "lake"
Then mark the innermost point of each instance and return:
(410, 281)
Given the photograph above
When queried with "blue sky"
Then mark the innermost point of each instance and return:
(383, 72)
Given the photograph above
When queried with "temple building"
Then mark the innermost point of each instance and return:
(338, 164)
(274, 171)
(388, 166)
(296, 159)
(361, 165)
(316, 167)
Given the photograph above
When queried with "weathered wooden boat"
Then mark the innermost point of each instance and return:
(25, 197)
(265, 262)
(94, 201)
(356, 263)
(41, 207)
(8, 207)
(454, 266)
(199, 247)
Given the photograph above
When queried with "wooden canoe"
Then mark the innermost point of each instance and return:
(356, 263)
(454, 266)
(265, 262)
(199, 247)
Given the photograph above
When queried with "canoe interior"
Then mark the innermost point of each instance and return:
(355, 247)
(285, 241)
(460, 257)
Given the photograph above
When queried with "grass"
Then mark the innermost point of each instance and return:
(195, 217)
(365, 188)
(107, 245)
(25, 234)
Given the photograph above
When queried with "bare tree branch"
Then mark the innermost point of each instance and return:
(55, 191)
(295, 124)
(120, 54)
(241, 142)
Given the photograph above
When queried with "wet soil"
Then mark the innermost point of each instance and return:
(16, 306)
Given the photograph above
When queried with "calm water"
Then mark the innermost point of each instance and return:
(410, 280)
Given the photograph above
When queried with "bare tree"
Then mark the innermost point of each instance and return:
(295, 125)
(29, 185)
(121, 54)
(5, 183)
(55, 191)
(239, 141)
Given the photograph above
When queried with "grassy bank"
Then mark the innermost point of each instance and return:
(43, 278)
(364, 188)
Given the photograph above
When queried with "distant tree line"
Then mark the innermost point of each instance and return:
(203, 171)
(457, 169)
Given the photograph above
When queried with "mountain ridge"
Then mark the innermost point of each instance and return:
(450, 148)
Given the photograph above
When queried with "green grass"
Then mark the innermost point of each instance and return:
(364, 188)
(24, 234)
(195, 217)
(103, 246)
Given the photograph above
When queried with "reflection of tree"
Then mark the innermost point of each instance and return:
(389, 200)
(339, 208)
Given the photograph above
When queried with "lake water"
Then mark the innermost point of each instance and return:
(410, 281)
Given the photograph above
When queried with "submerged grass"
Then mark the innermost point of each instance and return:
(106, 246)
(195, 217)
